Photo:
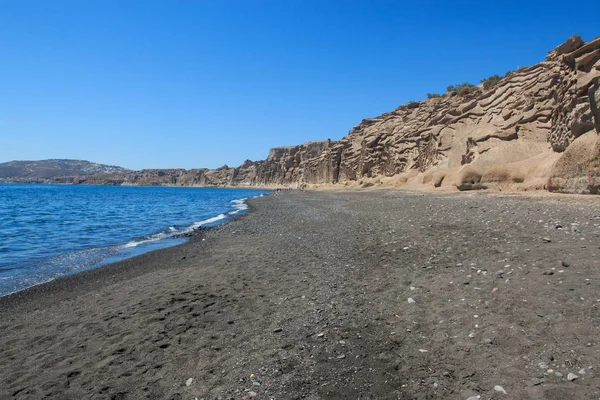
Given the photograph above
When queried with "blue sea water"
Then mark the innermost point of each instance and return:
(47, 231)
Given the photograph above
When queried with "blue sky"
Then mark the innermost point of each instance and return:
(164, 84)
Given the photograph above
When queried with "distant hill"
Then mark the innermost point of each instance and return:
(18, 171)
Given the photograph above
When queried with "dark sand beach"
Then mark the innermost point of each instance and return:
(307, 297)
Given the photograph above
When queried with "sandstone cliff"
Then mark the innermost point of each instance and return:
(536, 128)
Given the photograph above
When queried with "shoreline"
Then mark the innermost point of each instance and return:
(305, 296)
(141, 244)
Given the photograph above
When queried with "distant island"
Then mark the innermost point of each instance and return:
(536, 128)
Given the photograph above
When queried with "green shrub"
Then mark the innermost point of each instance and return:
(461, 89)
(368, 184)
(491, 81)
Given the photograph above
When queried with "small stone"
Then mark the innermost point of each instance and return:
(565, 264)
(558, 374)
(423, 350)
(277, 330)
(543, 365)
(547, 240)
(500, 389)
(571, 377)
(582, 371)
(189, 382)
(411, 300)
(341, 356)
(252, 394)
(548, 273)
(537, 381)
(342, 342)
(320, 334)
(435, 385)
(471, 334)
(474, 397)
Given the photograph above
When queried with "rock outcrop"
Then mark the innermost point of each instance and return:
(521, 132)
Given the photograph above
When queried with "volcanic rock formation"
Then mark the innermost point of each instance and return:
(536, 128)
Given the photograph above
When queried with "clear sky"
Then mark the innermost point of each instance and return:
(161, 84)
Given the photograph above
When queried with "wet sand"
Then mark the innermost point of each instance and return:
(310, 293)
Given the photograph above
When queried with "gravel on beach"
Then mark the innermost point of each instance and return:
(374, 294)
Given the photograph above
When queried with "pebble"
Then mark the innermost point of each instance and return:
(547, 240)
(474, 397)
(582, 371)
(189, 382)
(320, 334)
(277, 330)
(252, 394)
(423, 350)
(341, 356)
(565, 264)
(548, 273)
(571, 377)
(411, 300)
(543, 365)
(500, 389)
(558, 374)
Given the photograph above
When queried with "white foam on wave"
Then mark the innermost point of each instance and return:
(238, 205)
(209, 221)
(151, 238)
(172, 232)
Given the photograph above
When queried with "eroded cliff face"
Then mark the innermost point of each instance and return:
(520, 132)
(536, 128)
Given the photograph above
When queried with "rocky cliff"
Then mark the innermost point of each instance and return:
(537, 127)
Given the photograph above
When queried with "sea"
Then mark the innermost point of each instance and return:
(49, 231)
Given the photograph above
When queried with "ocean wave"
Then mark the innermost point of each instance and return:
(238, 206)
(172, 232)
(152, 238)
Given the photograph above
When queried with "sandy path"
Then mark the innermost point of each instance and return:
(310, 291)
